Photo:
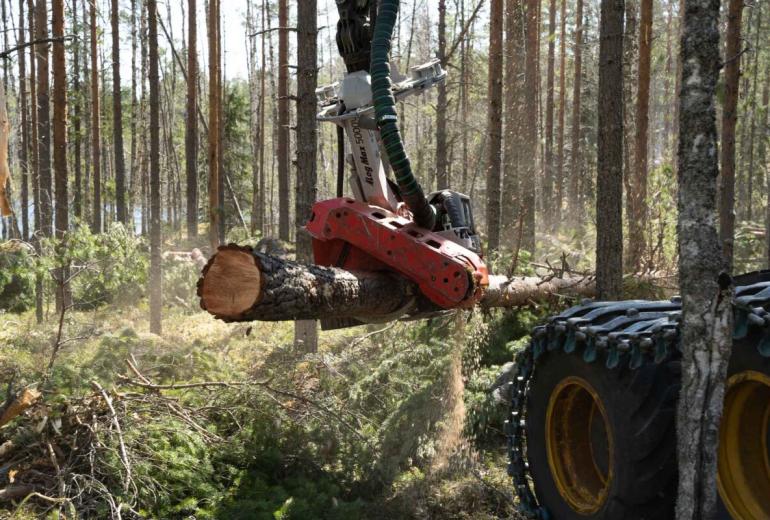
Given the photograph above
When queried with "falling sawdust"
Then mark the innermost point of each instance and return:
(454, 451)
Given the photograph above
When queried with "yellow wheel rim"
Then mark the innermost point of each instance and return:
(744, 447)
(579, 445)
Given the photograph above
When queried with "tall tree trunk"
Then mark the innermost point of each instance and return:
(214, 122)
(263, 128)
(559, 173)
(191, 122)
(550, 176)
(25, 140)
(442, 106)
(575, 158)
(494, 123)
(515, 45)
(530, 113)
(43, 120)
(135, 178)
(77, 117)
(156, 274)
(636, 193)
(706, 332)
(748, 156)
(283, 121)
(305, 332)
(117, 118)
(96, 135)
(34, 149)
(630, 82)
(609, 188)
(60, 145)
(729, 118)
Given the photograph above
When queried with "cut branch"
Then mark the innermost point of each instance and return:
(239, 284)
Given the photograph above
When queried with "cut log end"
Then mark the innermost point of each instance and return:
(232, 284)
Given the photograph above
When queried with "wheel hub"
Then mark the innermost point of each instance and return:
(744, 447)
(579, 445)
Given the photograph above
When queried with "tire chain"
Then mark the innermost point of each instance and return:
(633, 331)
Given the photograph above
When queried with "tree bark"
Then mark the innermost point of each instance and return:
(550, 177)
(513, 155)
(442, 106)
(239, 284)
(494, 123)
(25, 138)
(156, 274)
(77, 118)
(96, 137)
(283, 121)
(706, 331)
(575, 159)
(729, 119)
(636, 194)
(305, 332)
(191, 122)
(609, 188)
(214, 123)
(60, 147)
(559, 173)
(117, 118)
(530, 130)
(43, 120)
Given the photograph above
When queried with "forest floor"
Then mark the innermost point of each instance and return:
(383, 422)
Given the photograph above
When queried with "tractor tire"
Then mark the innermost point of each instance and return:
(744, 444)
(601, 443)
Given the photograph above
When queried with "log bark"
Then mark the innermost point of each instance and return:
(239, 284)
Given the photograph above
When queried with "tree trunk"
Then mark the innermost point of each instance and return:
(96, 136)
(559, 173)
(117, 119)
(442, 106)
(515, 45)
(214, 122)
(135, 169)
(283, 121)
(706, 332)
(575, 159)
(60, 147)
(34, 149)
(191, 122)
(748, 155)
(305, 332)
(43, 120)
(729, 119)
(77, 117)
(494, 123)
(156, 274)
(239, 284)
(636, 193)
(25, 138)
(549, 180)
(530, 113)
(630, 82)
(609, 188)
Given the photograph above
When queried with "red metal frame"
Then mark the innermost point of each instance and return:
(355, 236)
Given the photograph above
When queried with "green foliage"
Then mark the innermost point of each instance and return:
(17, 277)
(106, 268)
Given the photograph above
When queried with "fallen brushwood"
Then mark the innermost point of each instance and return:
(240, 284)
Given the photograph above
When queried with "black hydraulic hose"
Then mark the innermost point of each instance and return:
(387, 118)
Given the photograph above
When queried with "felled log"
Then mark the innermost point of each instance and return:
(239, 284)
